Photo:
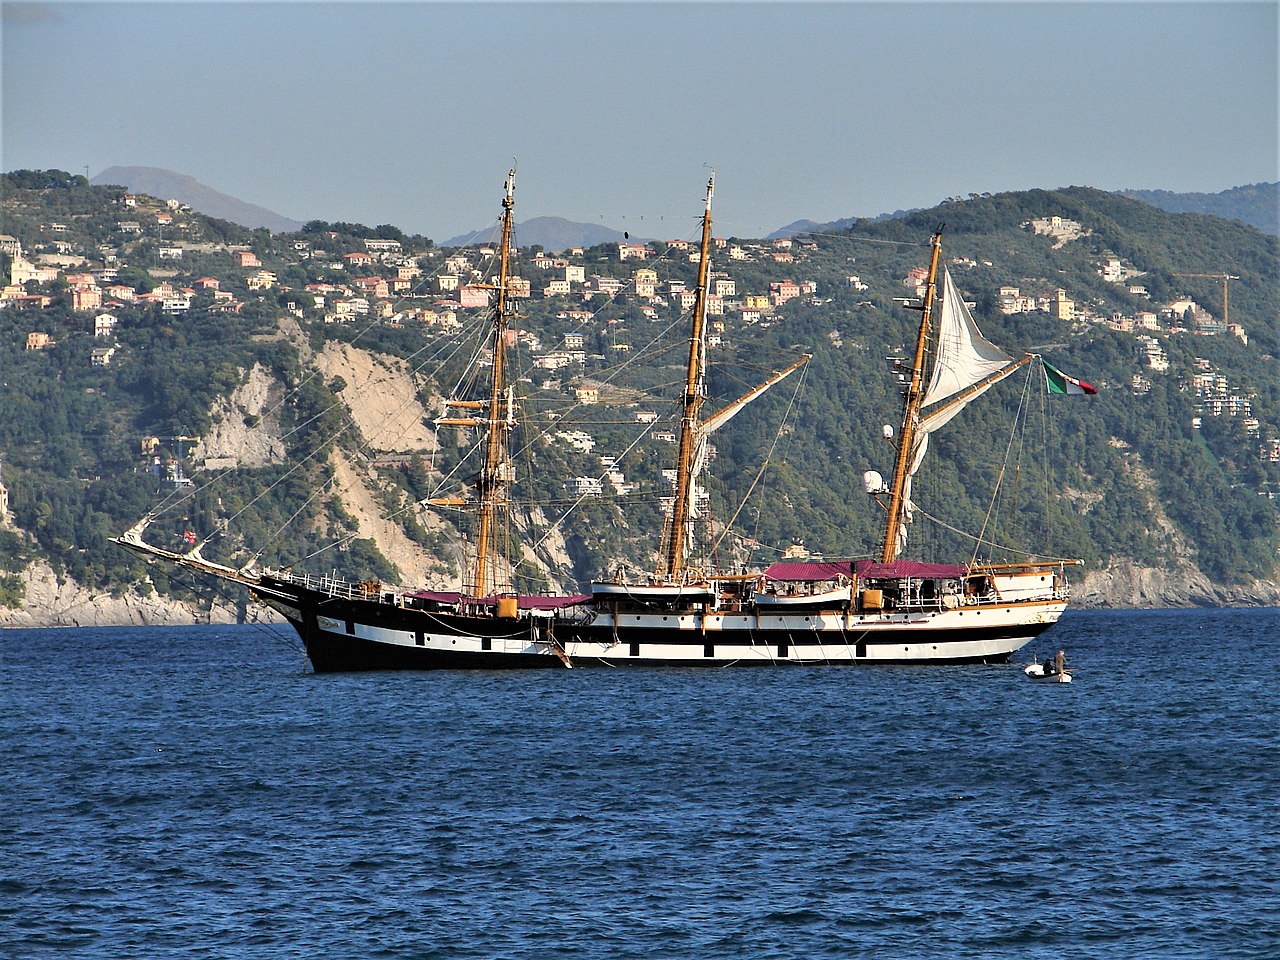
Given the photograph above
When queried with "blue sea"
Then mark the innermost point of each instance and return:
(195, 792)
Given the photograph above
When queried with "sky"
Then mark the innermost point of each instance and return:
(410, 113)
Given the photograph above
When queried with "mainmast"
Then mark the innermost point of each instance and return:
(671, 563)
(911, 404)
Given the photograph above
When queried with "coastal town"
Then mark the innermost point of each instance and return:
(152, 257)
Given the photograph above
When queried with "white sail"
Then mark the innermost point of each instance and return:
(966, 365)
(963, 355)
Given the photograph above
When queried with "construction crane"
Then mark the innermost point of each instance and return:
(1224, 277)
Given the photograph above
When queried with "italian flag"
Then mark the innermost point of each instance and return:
(1059, 382)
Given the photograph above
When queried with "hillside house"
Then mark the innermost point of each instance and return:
(725, 288)
(373, 287)
(645, 283)
(101, 356)
(40, 341)
(609, 286)
(246, 259)
(260, 280)
(575, 273)
(578, 439)
(86, 298)
(633, 251)
(780, 293)
(587, 395)
(16, 299)
(556, 288)
(208, 283)
(554, 360)
(346, 310)
(584, 486)
(1061, 306)
(470, 295)
(357, 259)
(104, 325)
(382, 246)
(121, 292)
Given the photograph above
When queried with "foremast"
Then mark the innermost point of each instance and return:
(911, 404)
(496, 473)
(671, 562)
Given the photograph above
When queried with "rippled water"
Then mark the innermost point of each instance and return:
(195, 793)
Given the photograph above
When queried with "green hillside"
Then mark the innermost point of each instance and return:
(1146, 471)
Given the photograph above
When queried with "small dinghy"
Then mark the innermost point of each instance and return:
(1038, 673)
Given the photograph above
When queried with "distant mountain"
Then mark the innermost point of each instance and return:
(835, 226)
(553, 234)
(167, 185)
(1257, 204)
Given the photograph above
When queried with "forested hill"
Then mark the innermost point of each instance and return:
(1257, 204)
(239, 384)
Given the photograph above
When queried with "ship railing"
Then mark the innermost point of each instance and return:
(335, 586)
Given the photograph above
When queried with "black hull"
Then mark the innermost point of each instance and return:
(331, 628)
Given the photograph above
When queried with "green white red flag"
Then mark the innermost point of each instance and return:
(1059, 382)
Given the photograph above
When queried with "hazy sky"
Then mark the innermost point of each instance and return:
(409, 113)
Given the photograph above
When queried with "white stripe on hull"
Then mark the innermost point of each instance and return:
(654, 638)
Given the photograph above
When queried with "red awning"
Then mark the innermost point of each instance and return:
(809, 571)
(899, 569)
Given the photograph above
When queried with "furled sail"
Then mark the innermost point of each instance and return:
(703, 430)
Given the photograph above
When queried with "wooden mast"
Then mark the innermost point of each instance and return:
(496, 474)
(671, 563)
(911, 410)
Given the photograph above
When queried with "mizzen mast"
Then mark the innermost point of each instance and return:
(911, 405)
(671, 561)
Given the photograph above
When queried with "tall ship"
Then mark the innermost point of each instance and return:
(885, 609)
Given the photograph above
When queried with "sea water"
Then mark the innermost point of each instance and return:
(194, 792)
